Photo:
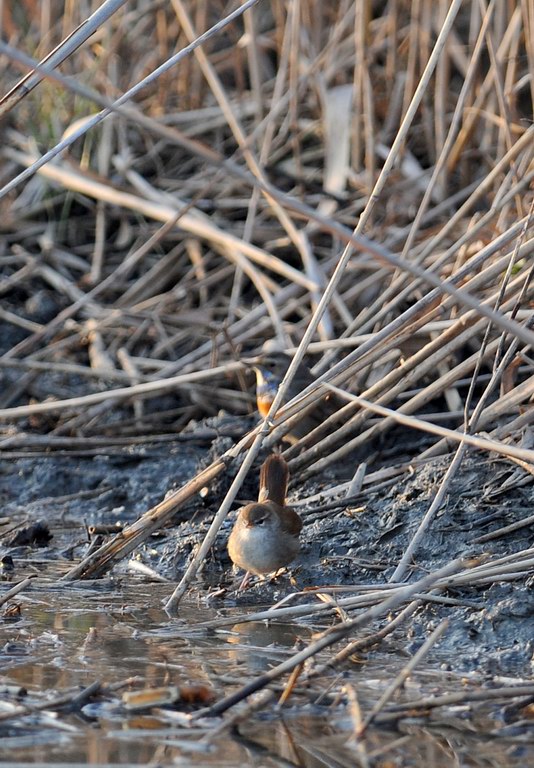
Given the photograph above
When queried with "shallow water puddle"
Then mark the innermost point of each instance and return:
(74, 635)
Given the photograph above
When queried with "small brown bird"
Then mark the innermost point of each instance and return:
(265, 536)
(270, 369)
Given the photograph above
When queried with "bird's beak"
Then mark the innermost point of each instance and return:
(250, 362)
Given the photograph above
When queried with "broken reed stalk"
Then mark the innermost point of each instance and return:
(525, 522)
(20, 587)
(135, 534)
(74, 699)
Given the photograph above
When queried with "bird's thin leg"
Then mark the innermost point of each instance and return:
(246, 579)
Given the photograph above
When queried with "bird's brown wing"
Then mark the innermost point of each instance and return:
(291, 522)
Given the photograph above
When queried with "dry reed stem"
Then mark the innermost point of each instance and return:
(136, 390)
(60, 53)
(6, 596)
(129, 538)
(508, 568)
(405, 672)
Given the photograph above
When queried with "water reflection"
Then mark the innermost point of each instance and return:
(72, 636)
(259, 645)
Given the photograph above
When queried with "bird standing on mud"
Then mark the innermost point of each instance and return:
(270, 369)
(265, 536)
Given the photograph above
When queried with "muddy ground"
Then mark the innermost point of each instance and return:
(491, 631)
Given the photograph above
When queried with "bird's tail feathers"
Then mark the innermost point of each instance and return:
(274, 477)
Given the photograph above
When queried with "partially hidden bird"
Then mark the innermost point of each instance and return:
(270, 368)
(265, 536)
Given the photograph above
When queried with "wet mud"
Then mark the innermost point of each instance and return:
(358, 542)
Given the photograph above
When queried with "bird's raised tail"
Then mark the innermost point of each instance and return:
(274, 477)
